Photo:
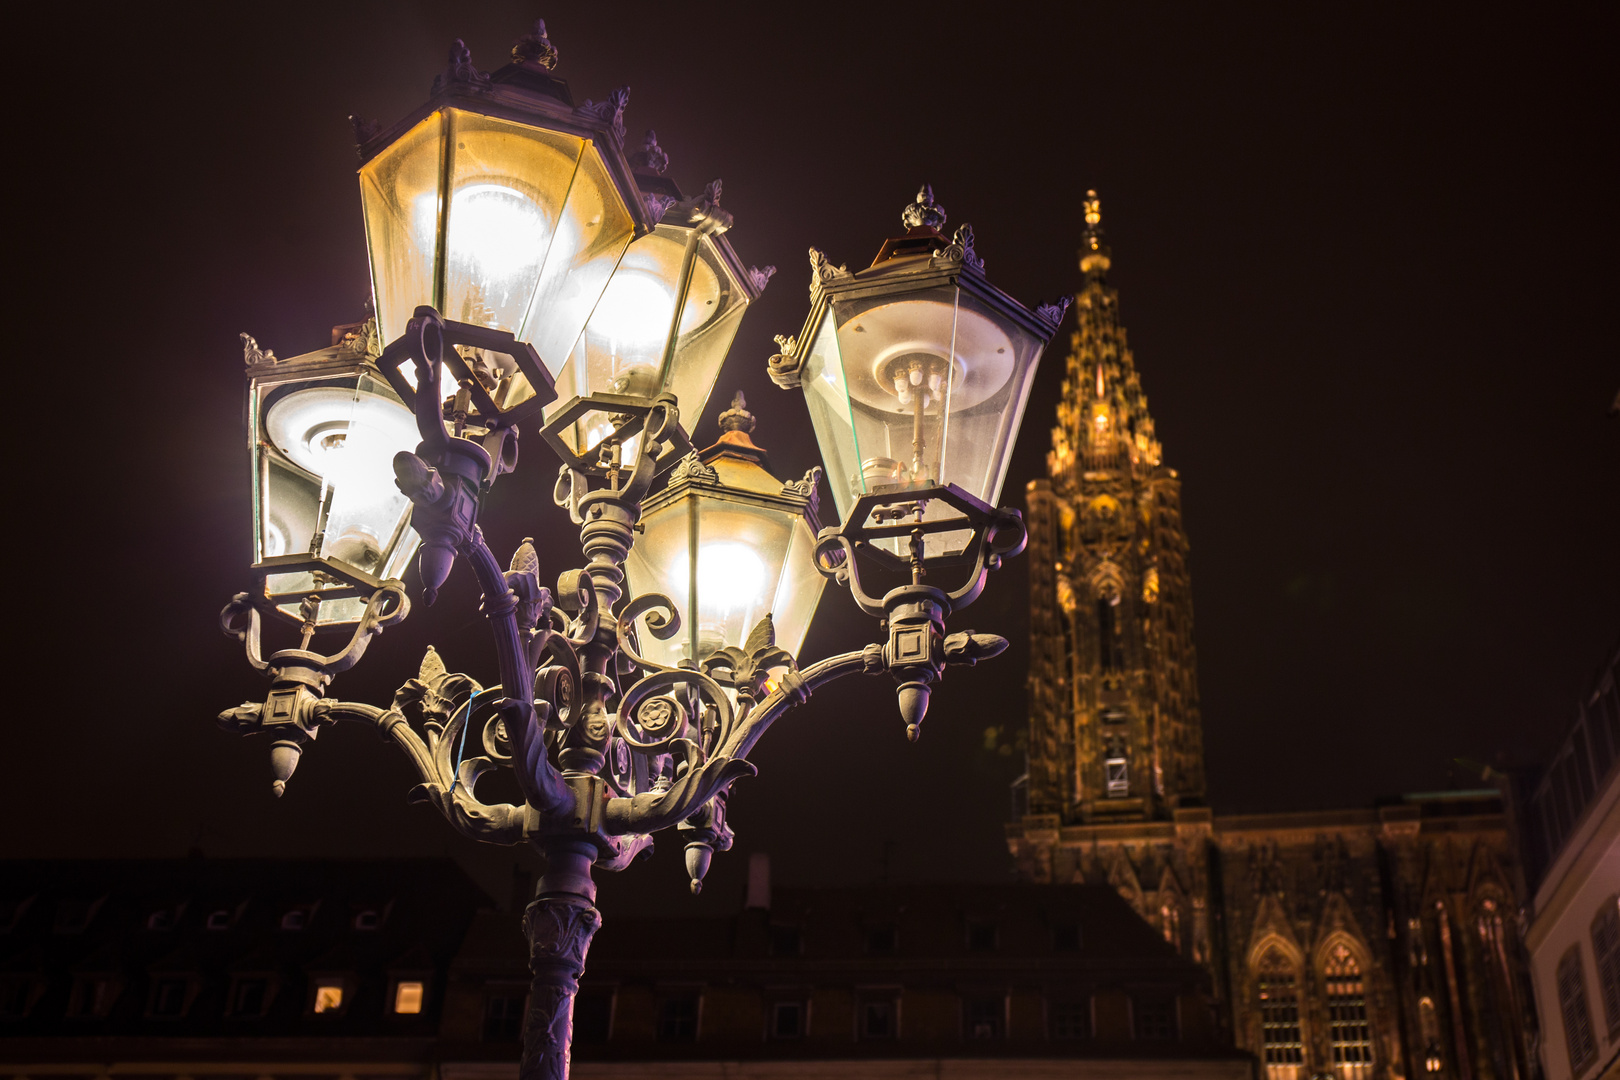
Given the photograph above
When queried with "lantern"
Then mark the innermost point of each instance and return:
(916, 370)
(729, 544)
(328, 520)
(503, 206)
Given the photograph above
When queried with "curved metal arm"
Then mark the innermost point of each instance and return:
(542, 784)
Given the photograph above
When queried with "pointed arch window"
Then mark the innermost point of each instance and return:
(1281, 1047)
(1349, 1033)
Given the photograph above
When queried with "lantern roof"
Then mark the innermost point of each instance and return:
(524, 91)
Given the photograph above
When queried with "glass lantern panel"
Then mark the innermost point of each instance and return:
(741, 551)
(324, 482)
(799, 591)
(936, 384)
(622, 348)
(591, 236)
(399, 194)
(827, 396)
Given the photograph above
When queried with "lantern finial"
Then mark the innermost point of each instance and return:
(737, 418)
(1094, 254)
(535, 47)
(923, 212)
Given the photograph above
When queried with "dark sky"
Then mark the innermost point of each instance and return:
(1366, 256)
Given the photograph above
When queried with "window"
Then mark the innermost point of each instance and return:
(787, 1019)
(369, 919)
(678, 1018)
(328, 996)
(16, 996)
(1066, 938)
(1070, 1018)
(408, 995)
(1578, 1040)
(593, 1015)
(1282, 1050)
(785, 941)
(93, 996)
(984, 1016)
(295, 918)
(882, 940)
(168, 1000)
(1110, 643)
(1348, 1029)
(1606, 955)
(165, 918)
(981, 936)
(879, 1017)
(250, 994)
(503, 1016)
(1153, 1018)
(1170, 923)
(219, 920)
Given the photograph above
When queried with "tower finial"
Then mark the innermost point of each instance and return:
(1094, 254)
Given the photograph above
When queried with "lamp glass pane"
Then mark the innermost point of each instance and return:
(399, 194)
(591, 235)
(827, 395)
(622, 348)
(743, 573)
(323, 452)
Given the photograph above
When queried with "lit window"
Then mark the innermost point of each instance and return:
(1282, 1049)
(328, 997)
(408, 998)
(1577, 1018)
(1118, 777)
(1348, 1030)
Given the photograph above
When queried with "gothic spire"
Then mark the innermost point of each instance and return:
(1103, 420)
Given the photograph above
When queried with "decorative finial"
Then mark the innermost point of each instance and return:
(737, 418)
(924, 213)
(711, 193)
(535, 47)
(651, 157)
(1094, 254)
(760, 276)
(252, 354)
(610, 111)
(460, 69)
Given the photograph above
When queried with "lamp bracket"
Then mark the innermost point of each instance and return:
(657, 419)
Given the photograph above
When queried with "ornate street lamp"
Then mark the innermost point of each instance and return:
(617, 719)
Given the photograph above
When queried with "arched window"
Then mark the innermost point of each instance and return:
(1348, 1030)
(1281, 1048)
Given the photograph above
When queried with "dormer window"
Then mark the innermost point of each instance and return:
(369, 919)
(299, 917)
(219, 920)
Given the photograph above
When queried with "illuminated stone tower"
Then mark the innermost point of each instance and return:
(1114, 726)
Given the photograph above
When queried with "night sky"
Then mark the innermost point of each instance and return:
(1366, 260)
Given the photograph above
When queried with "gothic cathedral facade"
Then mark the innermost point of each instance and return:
(1364, 944)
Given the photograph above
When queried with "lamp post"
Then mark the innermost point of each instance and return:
(560, 257)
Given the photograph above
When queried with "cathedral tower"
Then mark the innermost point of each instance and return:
(1114, 726)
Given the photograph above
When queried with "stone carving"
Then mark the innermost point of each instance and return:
(822, 271)
(960, 249)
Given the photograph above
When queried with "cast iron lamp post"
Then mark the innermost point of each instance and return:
(568, 264)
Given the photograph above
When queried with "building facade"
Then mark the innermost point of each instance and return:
(1365, 943)
(1571, 826)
